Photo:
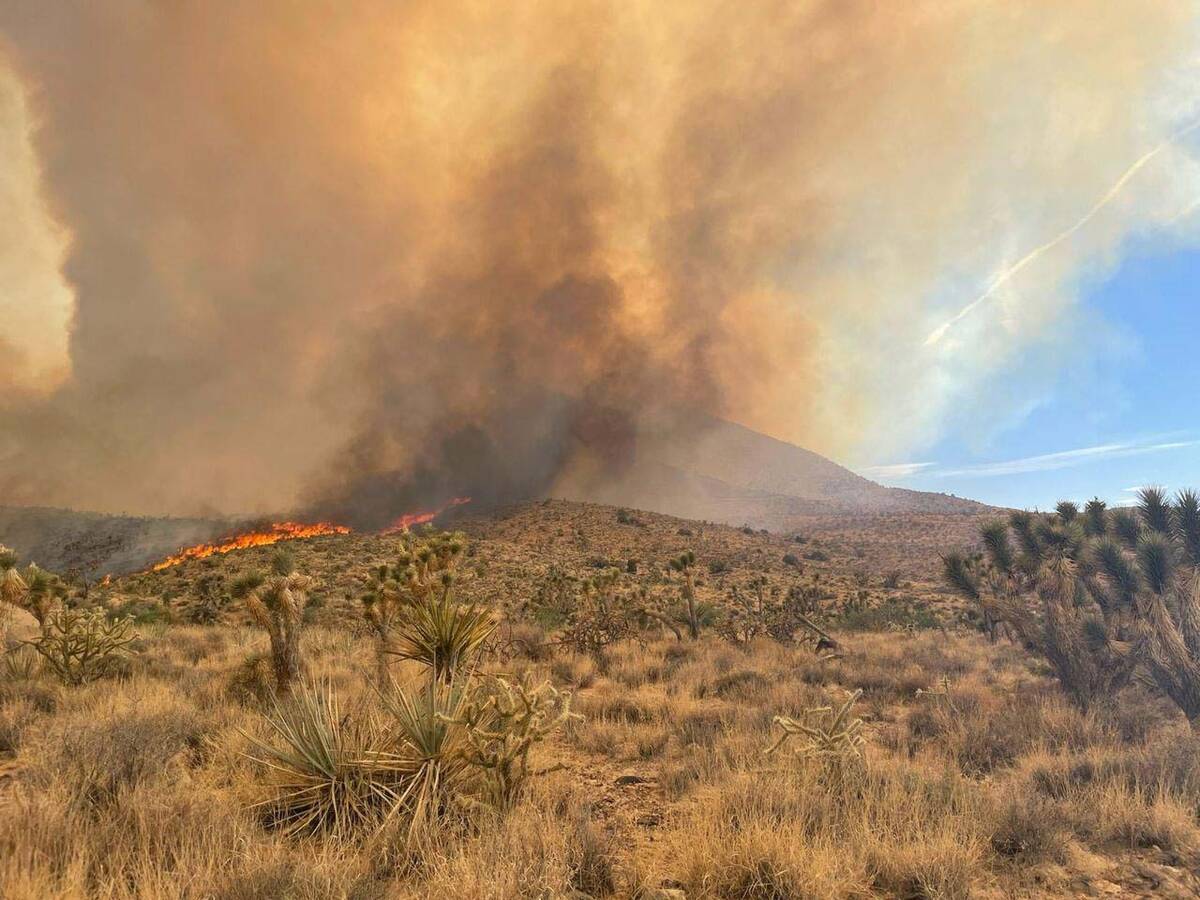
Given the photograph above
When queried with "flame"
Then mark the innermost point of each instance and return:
(278, 531)
(408, 520)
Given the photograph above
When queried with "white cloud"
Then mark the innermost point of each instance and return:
(895, 470)
(1067, 458)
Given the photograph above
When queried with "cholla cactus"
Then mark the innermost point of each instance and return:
(277, 604)
(80, 646)
(837, 734)
(503, 721)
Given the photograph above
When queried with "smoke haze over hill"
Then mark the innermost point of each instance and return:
(367, 255)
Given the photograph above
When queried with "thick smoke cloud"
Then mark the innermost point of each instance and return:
(363, 256)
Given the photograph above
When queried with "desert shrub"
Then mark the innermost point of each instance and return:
(554, 600)
(15, 717)
(80, 646)
(1028, 828)
(210, 597)
(892, 614)
(252, 681)
(141, 611)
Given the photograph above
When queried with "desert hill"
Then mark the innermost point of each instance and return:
(726, 474)
(94, 544)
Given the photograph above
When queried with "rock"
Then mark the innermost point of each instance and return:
(630, 779)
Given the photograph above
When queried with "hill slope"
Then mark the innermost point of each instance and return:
(729, 473)
(95, 544)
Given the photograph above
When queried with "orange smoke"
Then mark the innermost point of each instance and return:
(408, 520)
(279, 531)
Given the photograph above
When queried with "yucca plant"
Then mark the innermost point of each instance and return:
(1099, 594)
(424, 748)
(684, 565)
(322, 771)
(441, 632)
(394, 593)
(277, 605)
(33, 590)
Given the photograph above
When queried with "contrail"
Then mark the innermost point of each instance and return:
(938, 333)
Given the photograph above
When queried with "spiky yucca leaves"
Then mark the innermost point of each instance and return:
(33, 590)
(503, 721)
(1040, 593)
(441, 632)
(1067, 511)
(277, 605)
(323, 774)
(1187, 525)
(685, 565)
(1102, 594)
(80, 646)
(1095, 518)
(1155, 509)
(425, 563)
(425, 749)
(836, 734)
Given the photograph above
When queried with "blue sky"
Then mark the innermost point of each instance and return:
(1125, 414)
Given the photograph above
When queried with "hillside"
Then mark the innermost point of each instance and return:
(728, 473)
(976, 777)
(725, 473)
(95, 544)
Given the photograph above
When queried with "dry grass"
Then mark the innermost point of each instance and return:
(978, 778)
(142, 787)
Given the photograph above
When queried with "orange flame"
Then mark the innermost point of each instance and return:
(408, 520)
(279, 531)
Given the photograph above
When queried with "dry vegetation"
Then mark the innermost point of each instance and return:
(962, 769)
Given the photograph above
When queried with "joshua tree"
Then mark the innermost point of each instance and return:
(277, 604)
(1099, 592)
(685, 565)
(34, 590)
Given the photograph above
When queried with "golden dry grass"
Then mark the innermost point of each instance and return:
(139, 787)
(978, 778)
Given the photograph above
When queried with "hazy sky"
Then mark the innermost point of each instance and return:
(259, 255)
(1126, 416)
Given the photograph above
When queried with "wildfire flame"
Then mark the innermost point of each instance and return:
(278, 531)
(408, 520)
(290, 531)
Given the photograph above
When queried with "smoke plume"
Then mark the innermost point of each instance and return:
(357, 256)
